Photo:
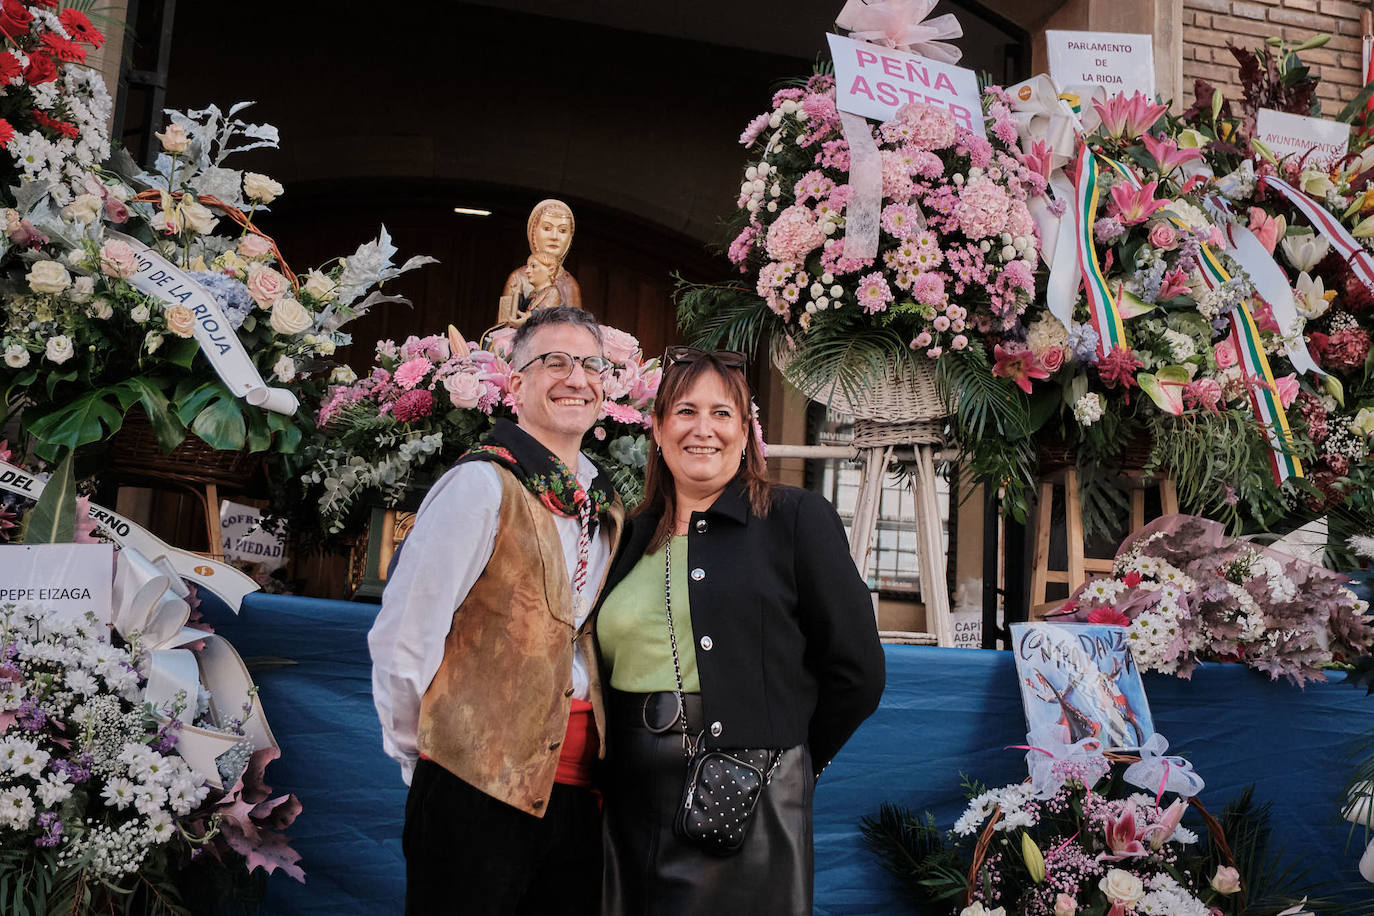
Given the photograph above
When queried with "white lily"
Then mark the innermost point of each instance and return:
(1305, 251)
(1311, 297)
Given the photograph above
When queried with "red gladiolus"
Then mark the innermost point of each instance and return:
(80, 28)
(62, 127)
(15, 19)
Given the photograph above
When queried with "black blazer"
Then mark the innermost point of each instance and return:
(786, 645)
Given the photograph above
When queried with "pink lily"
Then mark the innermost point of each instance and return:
(1268, 229)
(1135, 205)
(1020, 366)
(1040, 159)
(1124, 118)
(1122, 837)
(1167, 154)
(1158, 834)
(1175, 283)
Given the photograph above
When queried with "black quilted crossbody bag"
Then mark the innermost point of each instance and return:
(723, 786)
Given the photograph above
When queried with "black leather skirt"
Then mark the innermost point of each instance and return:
(649, 871)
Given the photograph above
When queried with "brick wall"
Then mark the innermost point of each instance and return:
(1209, 24)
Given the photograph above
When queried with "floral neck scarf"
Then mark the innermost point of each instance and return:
(541, 471)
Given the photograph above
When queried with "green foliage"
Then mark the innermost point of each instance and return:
(1220, 465)
(914, 851)
(722, 316)
(991, 423)
(53, 518)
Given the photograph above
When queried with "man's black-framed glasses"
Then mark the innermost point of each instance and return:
(560, 364)
(730, 359)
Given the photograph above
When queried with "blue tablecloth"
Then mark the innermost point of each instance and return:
(946, 712)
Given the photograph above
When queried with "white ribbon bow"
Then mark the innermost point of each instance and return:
(149, 599)
(902, 24)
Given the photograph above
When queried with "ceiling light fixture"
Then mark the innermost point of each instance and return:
(472, 211)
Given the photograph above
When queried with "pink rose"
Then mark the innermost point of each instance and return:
(500, 342)
(1164, 237)
(464, 389)
(618, 346)
(1288, 388)
(254, 246)
(1064, 905)
(117, 259)
(1225, 353)
(1051, 358)
(266, 286)
(116, 211)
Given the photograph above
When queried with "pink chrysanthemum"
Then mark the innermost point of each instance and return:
(873, 293)
(929, 289)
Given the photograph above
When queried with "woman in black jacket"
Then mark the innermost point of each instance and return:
(772, 646)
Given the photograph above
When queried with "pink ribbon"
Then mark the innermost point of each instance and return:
(902, 24)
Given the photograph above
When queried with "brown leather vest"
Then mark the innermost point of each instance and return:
(497, 710)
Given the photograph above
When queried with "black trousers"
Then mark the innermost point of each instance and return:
(467, 853)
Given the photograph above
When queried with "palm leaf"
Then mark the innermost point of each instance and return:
(723, 316)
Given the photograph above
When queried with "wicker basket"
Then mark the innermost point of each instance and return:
(904, 393)
(134, 452)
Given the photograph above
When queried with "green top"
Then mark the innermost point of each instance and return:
(632, 628)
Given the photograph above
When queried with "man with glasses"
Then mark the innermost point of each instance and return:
(483, 674)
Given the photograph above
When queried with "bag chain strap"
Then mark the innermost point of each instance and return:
(688, 745)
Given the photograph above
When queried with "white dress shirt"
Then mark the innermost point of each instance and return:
(445, 553)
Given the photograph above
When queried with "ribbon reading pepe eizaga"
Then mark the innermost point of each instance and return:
(1106, 319)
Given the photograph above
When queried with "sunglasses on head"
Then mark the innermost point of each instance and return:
(730, 359)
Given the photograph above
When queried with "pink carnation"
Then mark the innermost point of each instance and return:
(622, 413)
(926, 164)
(740, 247)
(874, 294)
(1019, 275)
(756, 127)
(982, 209)
(411, 372)
(820, 108)
(413, 405)
(979, 150)
(794, 234)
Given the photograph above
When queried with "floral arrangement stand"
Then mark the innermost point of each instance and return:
(914, 447)
(1079, 564)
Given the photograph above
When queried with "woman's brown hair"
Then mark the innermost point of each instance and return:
(659, 491)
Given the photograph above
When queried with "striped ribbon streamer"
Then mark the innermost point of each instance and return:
(1106, 320)
(1264, 396)
(1340, 238)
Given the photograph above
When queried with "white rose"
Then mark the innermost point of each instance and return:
(59, 349)
(285, 370)
(139, 313)
(196, 216)
(85, 209)
(320, 286)
(976, 908)
(260, 188)
(16, 356)
(100, 309)
(290, 317)
(181, 321)
(82, 289)
(48, 277)
(266, 286)
(1122, 887)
